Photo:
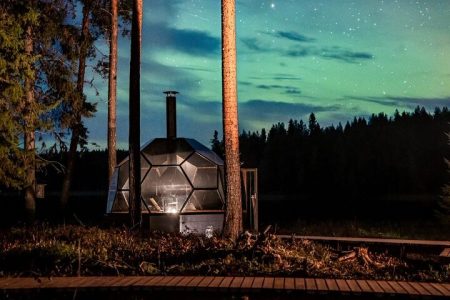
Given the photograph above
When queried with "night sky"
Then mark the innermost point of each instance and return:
(336, 58)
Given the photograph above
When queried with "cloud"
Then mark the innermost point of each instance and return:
(301, 52)
(292, 91)
(194, 42)
(406, 102)
(253, 114)
(254, 44)
(256, 113)
(333, 53)
(160, 10)
(294, 36)
(344, 55)
(285, 89)
(285, 77)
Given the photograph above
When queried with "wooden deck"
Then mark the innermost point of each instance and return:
(370, 240)
(445, 253)
(229, 284)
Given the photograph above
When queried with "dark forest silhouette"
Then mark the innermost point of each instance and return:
(375, 158)
(383, 165)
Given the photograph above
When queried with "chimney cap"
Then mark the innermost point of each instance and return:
(170, 93)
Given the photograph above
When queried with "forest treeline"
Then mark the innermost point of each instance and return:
(366, 163)
(381, 157)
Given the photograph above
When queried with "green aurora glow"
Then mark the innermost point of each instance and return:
(337, 58)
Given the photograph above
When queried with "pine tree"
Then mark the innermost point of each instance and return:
(16, 67)
(216, 144)
(78, 106)
(233, 214)
(112, 87)
(34, 78)
(134, 104)
(443, 210)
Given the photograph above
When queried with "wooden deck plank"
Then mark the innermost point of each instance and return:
(289, 283)
(184, 282)
(268, 283)
(386, 287)
(300, 284)
(419, 288)
(278, 283)
(194, 282)
(258, 283)
(47, 283)
(310, 284)
(440, 288)
(80, 282)
(152, 283)
(216, 282)
(248, 282)
(6, 281)
(24, 283)
(206, 281)
(369, 240)
(237, 282)
(148, 281)
(445, 252)
(353, 285)
(175, 281)
(167, 281)
(225, 284)
(365, 288)
(332, 285)
(109, 282)
(342, 285)
(321, 285)
(397, 288)
(408, 288)
(127, 281)
(431, 289)
(374, 286)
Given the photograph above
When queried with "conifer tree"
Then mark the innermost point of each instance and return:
(134, 106)
(233, 213)
(443, 210)
(16, 67)
(34, 80)
(112, 83)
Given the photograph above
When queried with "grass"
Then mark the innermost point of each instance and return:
(44, 250)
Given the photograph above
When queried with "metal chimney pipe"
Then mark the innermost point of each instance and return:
(171, 114)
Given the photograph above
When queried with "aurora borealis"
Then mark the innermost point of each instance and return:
(336, 58)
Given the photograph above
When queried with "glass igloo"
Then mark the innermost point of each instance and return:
(178, 176)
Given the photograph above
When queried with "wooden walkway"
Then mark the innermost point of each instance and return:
(369, 240)
(229, 284)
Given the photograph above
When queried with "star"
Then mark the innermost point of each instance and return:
(272, 5)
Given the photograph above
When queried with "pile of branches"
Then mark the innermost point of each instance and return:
(74, 250)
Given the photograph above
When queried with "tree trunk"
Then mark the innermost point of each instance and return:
(29, 139)
(233, 213)
(134, 129)
(112, 83)
(77, 106)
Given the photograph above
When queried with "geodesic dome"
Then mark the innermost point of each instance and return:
(177, 176)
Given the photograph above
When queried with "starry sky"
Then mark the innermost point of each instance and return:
(336, 58)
